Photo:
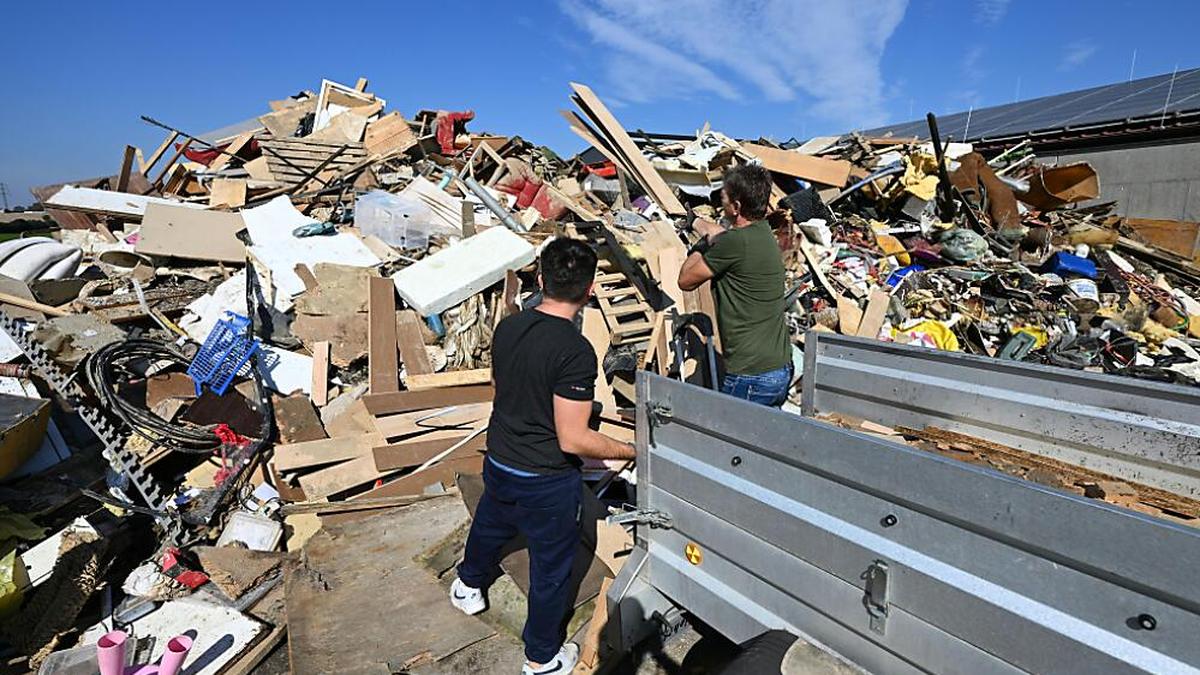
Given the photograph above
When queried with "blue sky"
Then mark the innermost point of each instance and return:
(78, 75)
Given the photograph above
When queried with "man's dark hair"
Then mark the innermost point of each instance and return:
(568, 267)
(750, 186)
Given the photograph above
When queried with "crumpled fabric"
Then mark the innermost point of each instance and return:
(960, 245)
(928, 333)
(920, 175)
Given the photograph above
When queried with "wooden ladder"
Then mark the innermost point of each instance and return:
(627, 313)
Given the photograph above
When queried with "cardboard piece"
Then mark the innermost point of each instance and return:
(182, 232)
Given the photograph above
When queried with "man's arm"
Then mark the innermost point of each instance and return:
(574, 436)
(694, 272)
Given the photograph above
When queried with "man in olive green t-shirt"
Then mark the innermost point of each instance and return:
(745, 266)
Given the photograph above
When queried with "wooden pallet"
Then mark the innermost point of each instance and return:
(292, 159)
(627, 313)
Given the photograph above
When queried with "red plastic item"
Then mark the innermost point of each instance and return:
(181, 567)
(447, 122)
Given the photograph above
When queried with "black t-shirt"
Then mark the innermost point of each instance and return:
(535, 356)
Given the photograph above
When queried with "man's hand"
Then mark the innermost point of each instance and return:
(576, 437)
(707, 228)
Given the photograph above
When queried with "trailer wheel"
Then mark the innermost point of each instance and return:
(762, 654)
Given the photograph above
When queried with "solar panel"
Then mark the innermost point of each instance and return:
(1141, 98)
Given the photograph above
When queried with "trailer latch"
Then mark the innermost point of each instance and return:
(876, 595)
(652, 517)
(658, 414)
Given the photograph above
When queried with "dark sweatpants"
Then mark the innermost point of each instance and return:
(546, 510)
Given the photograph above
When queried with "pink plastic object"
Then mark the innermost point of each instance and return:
(172, 659)
(110, 652)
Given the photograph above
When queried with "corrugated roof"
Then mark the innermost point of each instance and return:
(1124, 101)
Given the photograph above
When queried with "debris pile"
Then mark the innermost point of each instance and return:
(285, 324)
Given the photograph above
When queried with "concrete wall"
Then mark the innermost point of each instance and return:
(1161, 181)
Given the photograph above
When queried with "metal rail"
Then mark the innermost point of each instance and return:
(899, 560)
(1146, 432)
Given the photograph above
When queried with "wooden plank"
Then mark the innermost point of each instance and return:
(9, 299)
(442, 472)
(451, 417)
(875, 314)
(454, 378)
(407, 401)
(320, 383)
(319, 507)
(235, 146)
(832, 172)
(381, 336)
(642, 168)
(158, 153)
(849, 315)
(405, 455)
(595, 329)
(229, 192)
(124, 205)
(411, 343)
(341, 477)
(126, 168)
(294, 456)
(297, 419)
(171, 162)
(177, 231)
(589, 654)
(389, 134)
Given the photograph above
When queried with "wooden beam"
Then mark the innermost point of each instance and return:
(294, 456)
(405, 455)
(642, 168)
(442, 472)
(452, 418)
(171, 162)
(126, 168)
(384, 369)
(17, 301)
(407, 401)
(361, 85)
(411, 343)
(875, 314)
(158, 153)
(235, 146)
(832, 172)
(454, 378)
(320, 382)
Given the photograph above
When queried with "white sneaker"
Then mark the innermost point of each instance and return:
(469, 600)
(562, 663)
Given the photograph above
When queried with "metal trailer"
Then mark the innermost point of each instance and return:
(903, 561)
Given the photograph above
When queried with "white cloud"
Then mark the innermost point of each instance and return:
(822, 51)
(1076, 54)
(990, 12)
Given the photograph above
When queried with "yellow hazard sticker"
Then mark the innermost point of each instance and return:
(693, 553)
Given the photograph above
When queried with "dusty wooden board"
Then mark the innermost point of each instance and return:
(875, 314)
(259, 170)
(596, 331)
(230, 192)
(443, 473)
(320, 384)
(415, 453)
(347, 335)
(294, 456)
(406, 401)
(381, 337)
(354, 582)
(832, 172)
(284, 122)
(459, 416)
(645, 172)
(353, 420)
(126, 168)
(297, 420)
(345, 127)
(182, 232)
(389, 134)
(230, 151)
(849, 315)
(341, 477)
(158, 153)
(455, 378)
(411, 343)
(124, 205)
(235, 570)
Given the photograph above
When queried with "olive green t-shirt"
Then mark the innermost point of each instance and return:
(748, 279)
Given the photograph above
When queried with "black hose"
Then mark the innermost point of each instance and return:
(114, 365)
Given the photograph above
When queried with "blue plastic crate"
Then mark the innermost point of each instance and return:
(227, 349)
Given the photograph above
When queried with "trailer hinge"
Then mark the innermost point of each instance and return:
(876, 595)
(652, 517)
(658, 414)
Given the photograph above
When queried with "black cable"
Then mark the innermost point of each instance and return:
(116, 364)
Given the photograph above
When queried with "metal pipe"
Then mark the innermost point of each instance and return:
(945, 199)
(490, 202)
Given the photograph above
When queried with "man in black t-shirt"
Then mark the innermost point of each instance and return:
(544, 371)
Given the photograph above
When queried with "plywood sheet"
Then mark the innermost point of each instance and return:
(181, 232)
(832, 172)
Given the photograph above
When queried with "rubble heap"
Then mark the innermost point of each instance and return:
(291, 318)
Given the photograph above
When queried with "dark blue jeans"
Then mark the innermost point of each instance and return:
(546, 510)
(769, 388)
